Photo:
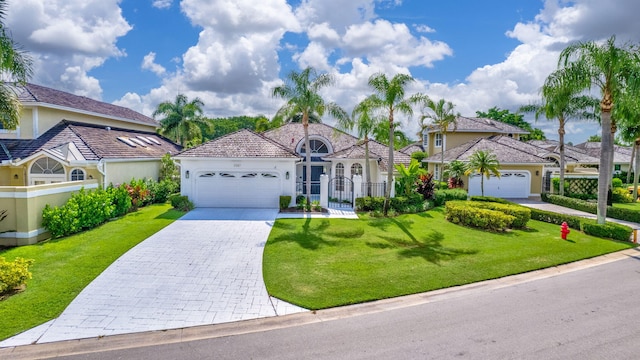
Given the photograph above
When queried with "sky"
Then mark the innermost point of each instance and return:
(231, 53)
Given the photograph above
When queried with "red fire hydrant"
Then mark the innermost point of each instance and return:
(564, 230)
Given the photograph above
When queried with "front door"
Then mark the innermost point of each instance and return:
(316, 171)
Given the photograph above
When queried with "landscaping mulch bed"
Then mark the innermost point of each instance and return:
(295, 210)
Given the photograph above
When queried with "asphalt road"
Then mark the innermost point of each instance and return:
(587, 314)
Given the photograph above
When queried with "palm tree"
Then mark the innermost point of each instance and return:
(607, 67)
(562, 102)
(181, 119)
(15, 68)
(627, 115)
(389, 97)
(485, 163)
(441, 116)
(301, 91)
(365, 122)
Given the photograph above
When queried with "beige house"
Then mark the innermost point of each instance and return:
(65, 142)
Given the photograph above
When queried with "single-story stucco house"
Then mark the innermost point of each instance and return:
(251, 169)
(65, 142)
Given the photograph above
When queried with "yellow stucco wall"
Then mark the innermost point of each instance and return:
(19, 176)
(121, 172)
(24, 205)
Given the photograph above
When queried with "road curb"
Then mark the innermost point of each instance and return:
(125, 341)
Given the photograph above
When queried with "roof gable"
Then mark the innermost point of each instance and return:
(290, 135)
(240, 144)
(474, 124)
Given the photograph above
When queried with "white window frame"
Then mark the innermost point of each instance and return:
(436, 172)
(439, 140)
(425, 141)
(84, 174)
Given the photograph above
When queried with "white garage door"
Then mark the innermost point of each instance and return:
(510, 184)
(255, 189)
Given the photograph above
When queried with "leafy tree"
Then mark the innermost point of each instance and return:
(381, 135)
(627, 115)
(301, 92)
(222, 126)
(485, 163)
(514, 119)
(181, 119)
(389, 97)
(594, 138)
(611, 70)
(439, 114)
(15, 67)
(563, 102)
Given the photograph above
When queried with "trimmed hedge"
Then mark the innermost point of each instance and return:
(612, 212)
(556, 218)
(440, 197)
(460, 212)
(402, 204)
(608, 230)
(521, 214)
(285, 200)
(490, 199)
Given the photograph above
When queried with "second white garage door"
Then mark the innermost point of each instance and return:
(254, 189)
(510, 184)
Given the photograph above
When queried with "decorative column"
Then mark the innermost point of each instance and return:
(324, 190)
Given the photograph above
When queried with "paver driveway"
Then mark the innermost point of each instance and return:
(205, 268)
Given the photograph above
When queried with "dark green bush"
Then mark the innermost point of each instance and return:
(490, 199)
(521, 214)
(159, 192)
(556, 218)
(612, 212)
(120, 199)
(609, 230)
(370, 203)
(285, 200)
(442, 196)
(616, 183)
(460, 212)
(181, 203)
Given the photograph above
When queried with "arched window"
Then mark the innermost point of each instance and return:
(356, 169)
(77, 175)
(316, 146)
(339, 177)
(46, 171)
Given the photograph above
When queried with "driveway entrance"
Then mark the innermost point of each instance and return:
(205, 268)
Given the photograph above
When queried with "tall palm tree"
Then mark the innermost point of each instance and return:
(15, 68)
(585, 65)
(301, 92)
(365, 121)
(181, 119)
(439, 114)
(563, 102)
(389, 97)
(627, 115)
(485, 163)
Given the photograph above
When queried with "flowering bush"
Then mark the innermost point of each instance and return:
(14, 273)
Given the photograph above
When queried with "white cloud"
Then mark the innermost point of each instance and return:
(162, 4)
(148, 63)
(68, 38)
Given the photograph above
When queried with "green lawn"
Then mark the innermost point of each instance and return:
(63, 267)
(321, 263)
(630, 206)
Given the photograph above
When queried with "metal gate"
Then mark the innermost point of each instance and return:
(340, 192)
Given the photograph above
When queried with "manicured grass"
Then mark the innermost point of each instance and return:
(630, 206)
(63, 267)
(321, 263)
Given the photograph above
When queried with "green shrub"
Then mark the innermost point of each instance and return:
(608, 230)
(159, 192)
(120, 200)
(556, 218)
(460, 212)
(370, 203)
(315, 205)
(490, 199)
(14, 273)
(616, 183)
(612, 212)
(521, 214)
(621, 195)
(442, 196)
(139, 193)
(181, 203)
(285, 200)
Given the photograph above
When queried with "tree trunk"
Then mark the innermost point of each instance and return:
(441, 157)
(367, 165)
(561, 139)
(387, 193)
(636, 175)
(631, 162)
(307, 155)
(482, 184)
(606, 152)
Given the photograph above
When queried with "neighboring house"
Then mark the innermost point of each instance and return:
(250, 169)
(521, 166)
(63, 143)
(621, 154)
(412, 148)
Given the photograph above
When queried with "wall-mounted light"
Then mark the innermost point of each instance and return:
(186, 174)
(16, 176)
(90, 177)
(286, 175)
(537, 172)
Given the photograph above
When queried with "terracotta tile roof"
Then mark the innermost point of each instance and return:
(506, 149)
(33, 94)
(621, 154)
(290, 135)
(473, 124)
(93, 143)
(240, 144)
